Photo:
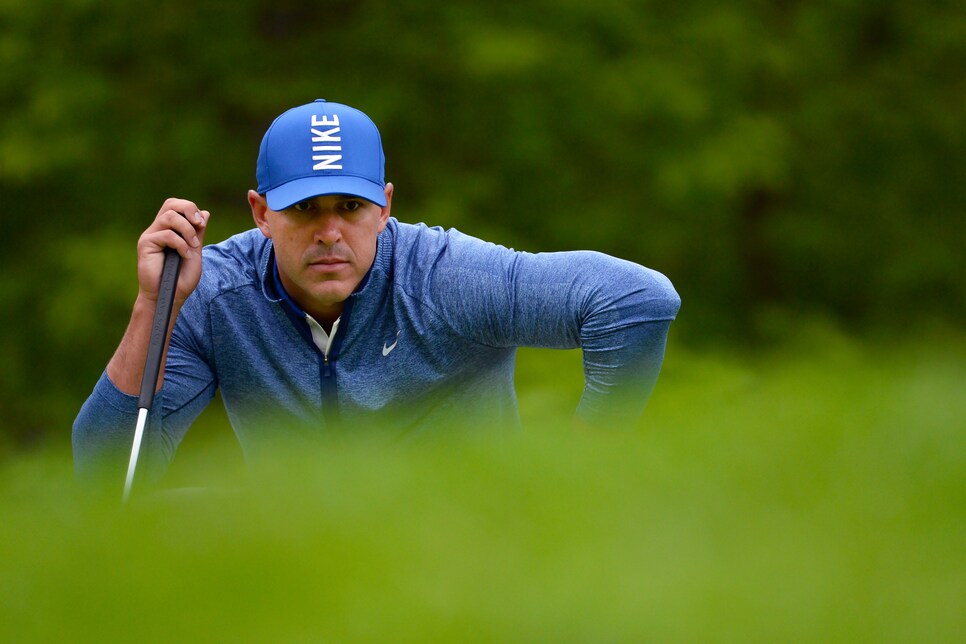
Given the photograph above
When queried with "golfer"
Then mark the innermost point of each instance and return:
(330, 313)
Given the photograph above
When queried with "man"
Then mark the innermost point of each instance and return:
(331, 313)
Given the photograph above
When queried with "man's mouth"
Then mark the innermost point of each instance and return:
(328, 263)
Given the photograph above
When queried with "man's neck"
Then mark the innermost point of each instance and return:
(324, 315)
(326, 322)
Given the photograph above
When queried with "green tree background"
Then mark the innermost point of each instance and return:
(778, 160)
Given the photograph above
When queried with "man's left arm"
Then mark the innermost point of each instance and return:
(616, 311)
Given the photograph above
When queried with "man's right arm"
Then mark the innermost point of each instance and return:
(179, 225)
(104, 425)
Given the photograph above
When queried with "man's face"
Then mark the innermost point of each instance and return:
(324, 246)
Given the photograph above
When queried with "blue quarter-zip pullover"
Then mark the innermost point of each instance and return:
(428, 339)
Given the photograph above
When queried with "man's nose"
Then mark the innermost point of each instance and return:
(328, 230)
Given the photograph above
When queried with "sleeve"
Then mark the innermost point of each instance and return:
(103, 431)
(616, 311)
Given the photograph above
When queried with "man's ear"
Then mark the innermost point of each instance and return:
(259, 209)
(384, 215)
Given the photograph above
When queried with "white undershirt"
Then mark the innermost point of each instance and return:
(322, 339)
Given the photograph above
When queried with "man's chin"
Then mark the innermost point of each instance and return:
(331, 293)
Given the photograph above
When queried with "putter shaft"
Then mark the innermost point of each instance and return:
(152, 363)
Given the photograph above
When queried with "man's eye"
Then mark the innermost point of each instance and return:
(303, 206)
(351, 206)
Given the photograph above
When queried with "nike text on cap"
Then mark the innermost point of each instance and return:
(321, 149)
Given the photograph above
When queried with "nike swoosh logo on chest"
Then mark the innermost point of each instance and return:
(387, 348)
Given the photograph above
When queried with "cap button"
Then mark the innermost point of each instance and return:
(320, 100)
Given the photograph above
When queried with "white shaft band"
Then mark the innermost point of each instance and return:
(135, 449)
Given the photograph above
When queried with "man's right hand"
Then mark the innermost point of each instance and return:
(180, 225)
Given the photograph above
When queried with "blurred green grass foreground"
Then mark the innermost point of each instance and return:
(801, 494)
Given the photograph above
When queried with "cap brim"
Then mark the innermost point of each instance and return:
(289, 194)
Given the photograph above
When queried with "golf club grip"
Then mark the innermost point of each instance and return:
(159, 328)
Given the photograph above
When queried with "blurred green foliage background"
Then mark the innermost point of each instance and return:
(777, 160)
(796, 168)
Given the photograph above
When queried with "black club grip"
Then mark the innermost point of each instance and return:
(159, 328)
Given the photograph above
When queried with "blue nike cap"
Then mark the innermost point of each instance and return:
(318, 149)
